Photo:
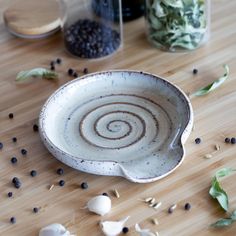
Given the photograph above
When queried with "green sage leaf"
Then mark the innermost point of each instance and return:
(222, 223)
(217, 83)
(216, 191)
(36, 72)
(224, 172)
(233, 215)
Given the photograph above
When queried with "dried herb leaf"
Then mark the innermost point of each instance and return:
(222, 223)
(216, 191)
(224, 172)
(209, 88)
(36, 72)
(233, 215)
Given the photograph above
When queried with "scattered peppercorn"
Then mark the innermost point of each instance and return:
(227, 140)
(15, 179)
(125, 230)
(13, 160)
(84, 185)
(70, 72)
(170, 210)
(11, 116)
(105, 194)
(52, 63)
(13, 220)
(35, 128)
(1, 145)
(35, 209)
(60, 171)
(198, 140)
(85, 70)
(14, 139)
(23, 151)
(195, 71)
(33, 173)
(58, 61)
(16, 182)
(75, 75)
(10, 194)
(233, 140)
(187, 206)
(61, 183)
(52, 68)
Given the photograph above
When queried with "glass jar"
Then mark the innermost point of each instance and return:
(131, 9)
(178, 25)
(89, 35)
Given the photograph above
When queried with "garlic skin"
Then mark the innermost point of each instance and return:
(54, 230)
(113, 228)
(100, 205)
(143, 232)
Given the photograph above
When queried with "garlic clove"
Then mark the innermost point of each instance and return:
(100, 205)
(143, 232)
(113, 228)
(54, 230)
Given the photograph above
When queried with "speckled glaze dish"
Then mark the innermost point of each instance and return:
(118, 123)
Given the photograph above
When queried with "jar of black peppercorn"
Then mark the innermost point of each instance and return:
(131, 9)
(88, 34)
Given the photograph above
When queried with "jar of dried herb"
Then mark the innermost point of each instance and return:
(178, 25)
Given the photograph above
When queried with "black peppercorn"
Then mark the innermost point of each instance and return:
(35, 209)
(85, 38)
(75, 75)
(60, 171)
(13, 160)
(58, 60)
(198, 140)
(125, 230)
(11, 116)
(33, 173)
(35, 128)
(195, 71)
(170, 210)
(233, 140)
(23, 151)
(1, 145)
(84, 185)
(13, 220)
(187, 206)
(61, 183)
(227, 140)
(10, 194)
(15, 179)
(52, 68)
(85, 70)
(14, 139)
(105, 194)
(16, 182)
(70, 72)
(52, 63)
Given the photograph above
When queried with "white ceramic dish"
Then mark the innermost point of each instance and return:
(118, 123)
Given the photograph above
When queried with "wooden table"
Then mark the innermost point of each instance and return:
(215, 119)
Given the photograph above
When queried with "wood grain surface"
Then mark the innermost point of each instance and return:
(215, 119)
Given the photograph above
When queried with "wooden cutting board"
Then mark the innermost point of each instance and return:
(33, 18)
